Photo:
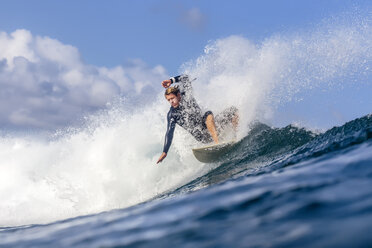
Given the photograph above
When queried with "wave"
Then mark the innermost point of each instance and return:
(266, 149)
(287, 201)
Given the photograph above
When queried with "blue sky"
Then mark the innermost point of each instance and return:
(108, 33)
(119, 45)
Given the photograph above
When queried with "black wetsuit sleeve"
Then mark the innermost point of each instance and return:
(184, 80)
(170, 131)
(179, 78)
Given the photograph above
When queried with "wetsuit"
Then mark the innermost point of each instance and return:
(187, 115)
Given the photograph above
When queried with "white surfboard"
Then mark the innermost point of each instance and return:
(213, 153)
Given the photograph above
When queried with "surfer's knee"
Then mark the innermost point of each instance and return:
(233, 112)
(229, 115)
(234, 117)
(209, 120)
(208, 116)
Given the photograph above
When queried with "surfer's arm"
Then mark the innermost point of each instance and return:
(180, 78)
(183, 79)
(168, 136)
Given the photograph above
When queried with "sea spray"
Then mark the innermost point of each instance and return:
(260, 78)
(89, 170)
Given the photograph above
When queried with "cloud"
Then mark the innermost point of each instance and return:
(44, 83)
(193, 18)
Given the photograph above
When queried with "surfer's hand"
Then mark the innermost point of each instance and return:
(166, 83)
(162, 156)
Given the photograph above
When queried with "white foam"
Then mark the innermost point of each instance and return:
(110, 165)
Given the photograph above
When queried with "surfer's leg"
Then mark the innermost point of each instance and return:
(227, 117)
(235, 120)
(209, 122)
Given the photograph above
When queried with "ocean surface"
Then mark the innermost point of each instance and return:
(279, 187)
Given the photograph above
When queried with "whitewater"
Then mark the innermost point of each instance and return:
(97, 184)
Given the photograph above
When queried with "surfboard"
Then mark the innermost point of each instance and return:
(213, 153)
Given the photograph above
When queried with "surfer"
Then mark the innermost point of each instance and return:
(185, 112)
